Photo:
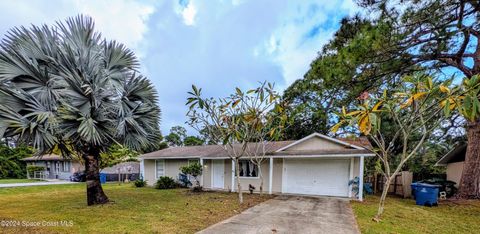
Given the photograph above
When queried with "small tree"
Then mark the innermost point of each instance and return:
(407, 109)
(194, 170)
(264, 119)
(222, 120)
(233, 121)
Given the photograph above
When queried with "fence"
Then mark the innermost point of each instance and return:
(400, 185)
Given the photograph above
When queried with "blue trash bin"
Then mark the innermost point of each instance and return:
(425, 194)
(103, 178)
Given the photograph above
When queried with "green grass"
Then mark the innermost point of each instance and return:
(13, 181)
(134, 210)
(403, 216)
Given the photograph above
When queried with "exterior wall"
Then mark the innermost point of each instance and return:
(149, 165)
(172, 170)
(228, 174)
(76, 166)
(316, 143)
(454, 172)
(277, 175)
(172, 167)
(245, 181)
(356, 167)
(207, 173)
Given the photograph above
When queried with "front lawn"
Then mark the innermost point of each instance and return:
(135, 210)
(403, 216)
(13, 181)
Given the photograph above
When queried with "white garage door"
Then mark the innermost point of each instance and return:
(327, 177)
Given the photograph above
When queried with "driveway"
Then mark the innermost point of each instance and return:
(292, 214)
(51, 182)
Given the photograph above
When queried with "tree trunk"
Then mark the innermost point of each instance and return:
(381, 204)
(95, 194)
(239, 187)
(260, 175)
(469, 187)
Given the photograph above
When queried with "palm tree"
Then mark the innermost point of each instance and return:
(66, 87)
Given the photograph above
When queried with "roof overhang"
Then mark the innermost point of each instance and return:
(273, 156)
(451, 155)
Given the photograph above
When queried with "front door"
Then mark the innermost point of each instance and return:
(218, 174)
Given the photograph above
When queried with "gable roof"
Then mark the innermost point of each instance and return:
(354, 146)
(457, 154)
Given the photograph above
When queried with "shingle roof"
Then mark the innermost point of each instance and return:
(214, 151)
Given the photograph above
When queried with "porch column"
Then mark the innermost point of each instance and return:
(142, 168)
(201, 176)
(350, 178)
(233, 175)
(270, 176)
(360, 183)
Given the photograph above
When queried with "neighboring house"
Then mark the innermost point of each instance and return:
(454, 161)
(56, 167)
(130, 170)
(314, 165)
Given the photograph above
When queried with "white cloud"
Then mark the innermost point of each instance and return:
(189, 14)
(305, 28)
(121, 20)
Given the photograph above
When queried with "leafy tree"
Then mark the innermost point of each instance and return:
(117, 154)
(194, 170)
(411, 106)
(65, 86)
(11, 165)
(435, 34)
(192, 140)
(338, 76)
(176, 136)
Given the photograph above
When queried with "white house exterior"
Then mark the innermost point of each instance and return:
(314, 165)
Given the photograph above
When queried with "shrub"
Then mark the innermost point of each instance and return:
(140, 182)
(32, 169)
(165, 182)
(194, 170)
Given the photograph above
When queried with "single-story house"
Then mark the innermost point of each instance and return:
(314, 165)
(454, 161)
(56, 166)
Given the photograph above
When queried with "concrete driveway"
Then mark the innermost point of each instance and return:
(292, 214)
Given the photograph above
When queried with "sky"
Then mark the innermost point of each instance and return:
(216, 45)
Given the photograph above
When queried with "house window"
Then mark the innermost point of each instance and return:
(66, 166)
(192, 161)
(247, 168)
(160, 168)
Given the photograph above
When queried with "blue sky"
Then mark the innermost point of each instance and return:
(216, 45)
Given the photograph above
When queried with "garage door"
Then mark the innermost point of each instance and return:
(327, 177)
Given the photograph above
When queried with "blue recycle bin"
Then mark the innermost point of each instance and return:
(103, 178)
(425, 194)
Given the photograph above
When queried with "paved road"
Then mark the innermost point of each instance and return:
(292, 214)
(36, 184)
